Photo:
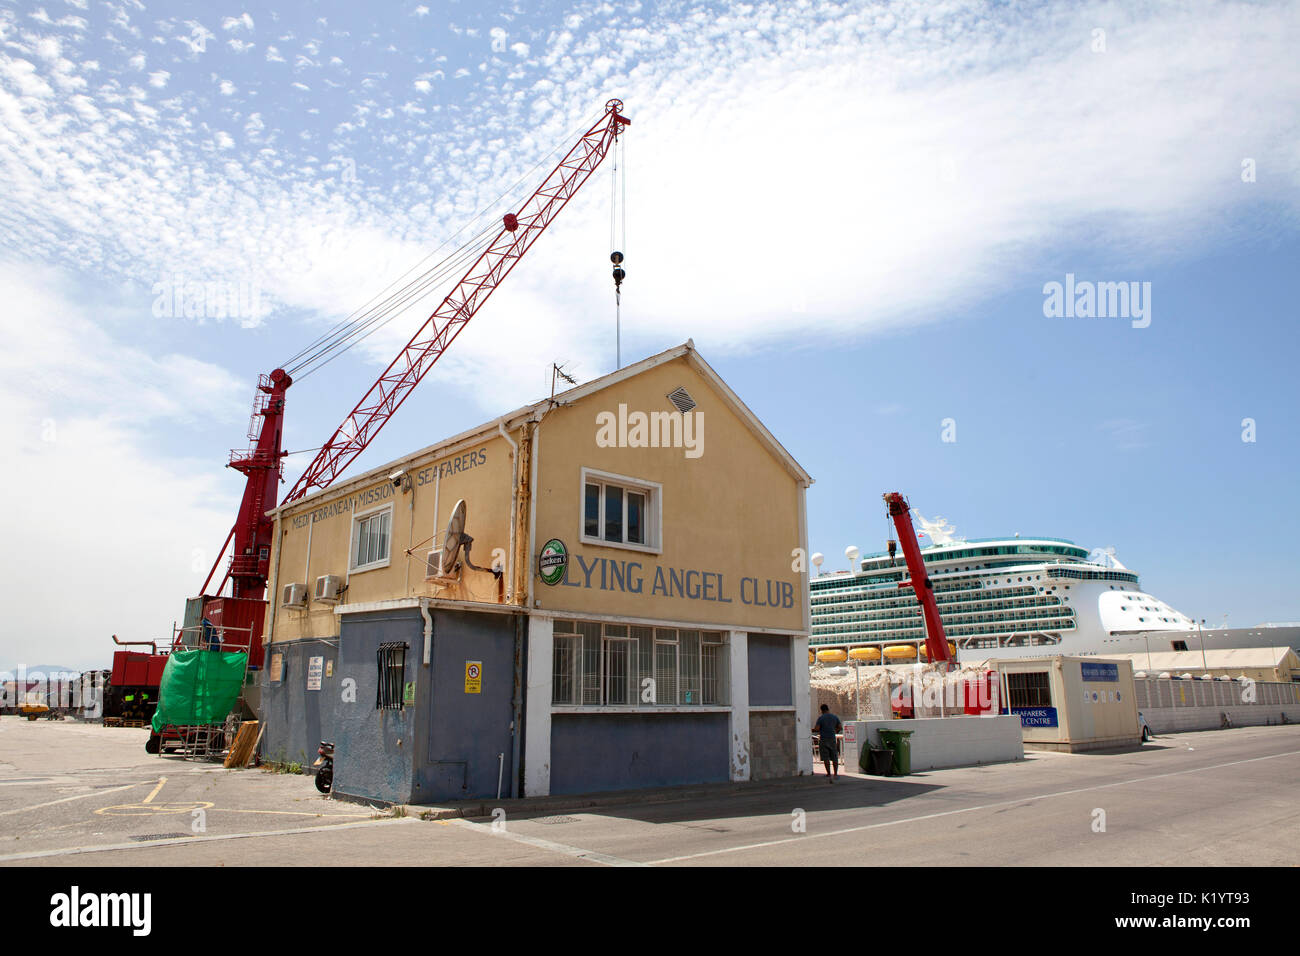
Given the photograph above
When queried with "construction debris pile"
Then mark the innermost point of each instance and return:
(875, 693)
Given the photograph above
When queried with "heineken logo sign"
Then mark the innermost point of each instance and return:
(553, 561)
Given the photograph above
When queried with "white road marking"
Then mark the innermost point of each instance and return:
(80, 796)
(176, 841)
(949, 813)
(541, 844)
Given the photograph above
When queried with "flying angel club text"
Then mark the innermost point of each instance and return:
(606, 574)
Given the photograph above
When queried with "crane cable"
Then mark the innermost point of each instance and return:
(617, 211)
(373, 315)
(394, 306)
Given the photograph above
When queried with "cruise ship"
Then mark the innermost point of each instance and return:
(1007, 597)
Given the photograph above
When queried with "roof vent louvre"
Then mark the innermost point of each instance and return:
(681, 399)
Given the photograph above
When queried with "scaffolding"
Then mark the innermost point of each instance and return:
(208, 741)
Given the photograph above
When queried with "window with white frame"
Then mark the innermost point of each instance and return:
(619, 511)
(371, 536)
(622, 665)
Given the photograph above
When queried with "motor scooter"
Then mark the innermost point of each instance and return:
(324, 766)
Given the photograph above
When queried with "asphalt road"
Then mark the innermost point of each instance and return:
(1204, 799)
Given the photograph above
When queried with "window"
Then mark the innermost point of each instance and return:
(620, 512)
(619, 665)
(1029, 690)
(392, 675)
(370, 540)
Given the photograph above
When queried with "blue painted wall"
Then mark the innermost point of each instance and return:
(770, 670)
(374, 750)
(444, 746)
(468, 731)
(296, 719)
(594, 752)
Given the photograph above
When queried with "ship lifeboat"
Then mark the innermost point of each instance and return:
(864, 654)
(832, 657)
(900, 652)
(925, 652)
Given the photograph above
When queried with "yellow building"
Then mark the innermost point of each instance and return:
(626, 608)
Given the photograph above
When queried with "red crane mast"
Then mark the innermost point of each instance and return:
(936, 641)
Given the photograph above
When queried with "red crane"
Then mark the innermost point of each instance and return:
(936, 642)
(262, 463)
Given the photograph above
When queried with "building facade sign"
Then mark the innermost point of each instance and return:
(1036, 716)
(1094, 671)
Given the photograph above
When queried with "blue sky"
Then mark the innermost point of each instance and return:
(853, 209)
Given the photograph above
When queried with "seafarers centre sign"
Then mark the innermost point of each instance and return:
(634, 577)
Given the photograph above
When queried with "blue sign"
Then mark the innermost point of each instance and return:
(1101, 672)
(1036, 716)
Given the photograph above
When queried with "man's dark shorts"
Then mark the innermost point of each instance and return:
(828, 750)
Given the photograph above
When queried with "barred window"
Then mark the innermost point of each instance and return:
(1029, 689)
(623, 665)
(392, 674)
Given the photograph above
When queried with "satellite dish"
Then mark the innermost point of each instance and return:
(451, 540)
(817, 560)
(442, 565)
(852, 552)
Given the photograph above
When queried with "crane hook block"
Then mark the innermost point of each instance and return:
(511, 222)
(616, 258)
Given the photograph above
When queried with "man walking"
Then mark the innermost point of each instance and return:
(828, 725)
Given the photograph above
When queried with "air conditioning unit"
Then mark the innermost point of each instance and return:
(328, 587)
(433, 564)
(293, 595)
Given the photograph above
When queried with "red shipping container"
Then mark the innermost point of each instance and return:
(239, 623)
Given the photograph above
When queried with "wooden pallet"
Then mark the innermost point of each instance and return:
(241, 751)
(112, 721)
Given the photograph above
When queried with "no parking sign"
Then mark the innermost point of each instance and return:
(473, 677)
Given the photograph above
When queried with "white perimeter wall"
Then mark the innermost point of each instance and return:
(945, 741)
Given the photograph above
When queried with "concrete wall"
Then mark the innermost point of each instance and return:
(594, 752)
(943, 741)
(1173, 720)
(773, 745)
(1171, 706)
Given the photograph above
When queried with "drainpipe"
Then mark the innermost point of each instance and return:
(428, 630)
(514, 502)
(517, 709)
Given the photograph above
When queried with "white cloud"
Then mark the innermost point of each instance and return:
(110, 538)
(243, 21)
(159, 78)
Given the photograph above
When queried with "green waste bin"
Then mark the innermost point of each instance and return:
(898, 741)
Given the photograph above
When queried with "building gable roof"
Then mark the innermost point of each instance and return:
(534, 412)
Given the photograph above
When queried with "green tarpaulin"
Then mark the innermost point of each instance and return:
(199, 687)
